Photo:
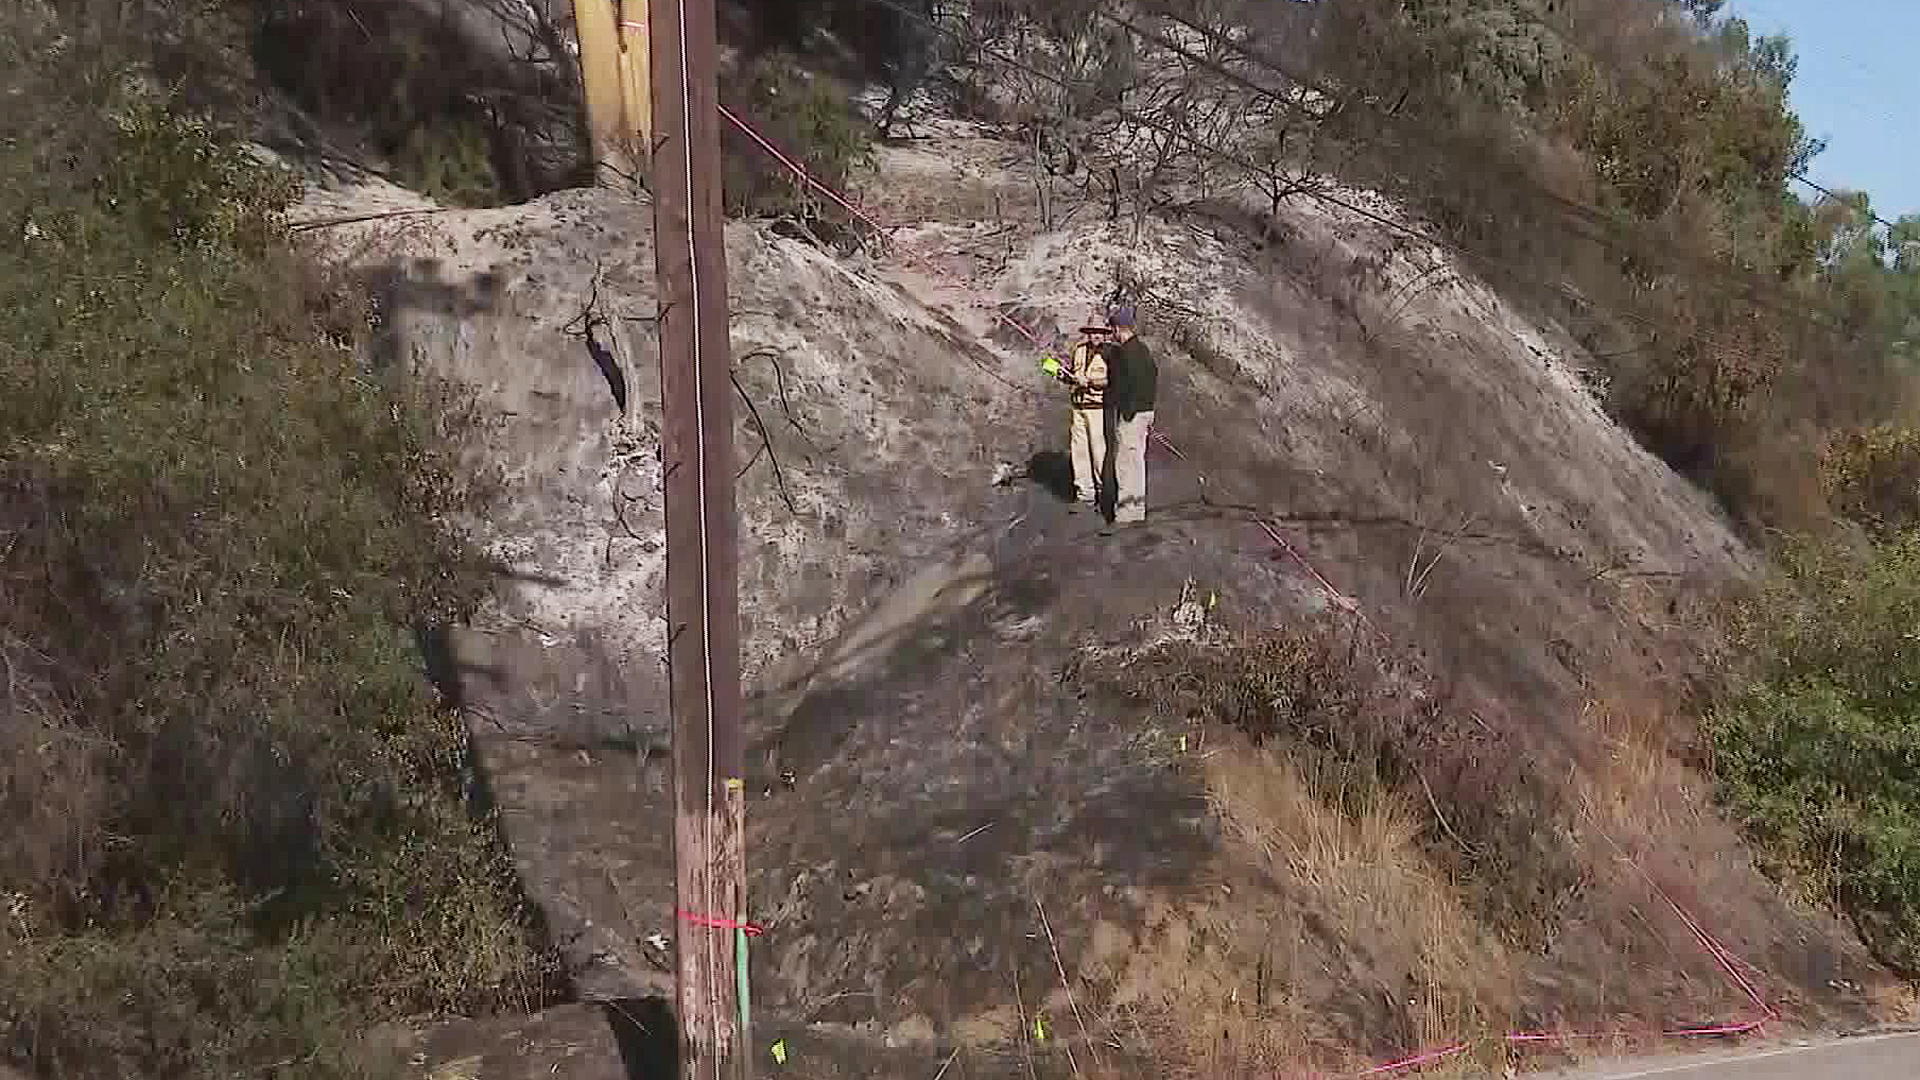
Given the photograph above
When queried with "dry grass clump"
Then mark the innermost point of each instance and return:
(1364, 924)
(1637, 785)
(1350, 848)
(1243, 985)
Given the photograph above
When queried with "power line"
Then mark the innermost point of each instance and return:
(1589, 214)
(1567, 35)
(1230, 157)
(1838, 197)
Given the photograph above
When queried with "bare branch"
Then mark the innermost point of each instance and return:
(772, 357)
(766, 447)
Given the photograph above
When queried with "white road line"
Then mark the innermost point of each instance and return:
(1693, 1066)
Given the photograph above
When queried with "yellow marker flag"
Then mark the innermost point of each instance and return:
(1039, 1029)
(780, 1052)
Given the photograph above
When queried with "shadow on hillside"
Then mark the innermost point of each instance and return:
(879, 656)
(603, 359)
(1053, 471)
(648, 1038)
(444, 668)
(402, 286)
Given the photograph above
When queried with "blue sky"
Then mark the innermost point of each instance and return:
(1858, 87)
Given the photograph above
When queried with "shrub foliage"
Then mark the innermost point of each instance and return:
(807, 116)
(1818, 753)
(234, 822)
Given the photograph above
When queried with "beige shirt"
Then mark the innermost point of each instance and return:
(1088, 363)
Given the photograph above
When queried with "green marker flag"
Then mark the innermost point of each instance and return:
(740, 971)
(1050, 365)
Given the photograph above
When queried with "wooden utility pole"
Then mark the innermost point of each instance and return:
(615, 70)
(596, 25)
(636, 79)
(703, 642)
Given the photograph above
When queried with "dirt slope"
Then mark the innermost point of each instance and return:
(917, 637)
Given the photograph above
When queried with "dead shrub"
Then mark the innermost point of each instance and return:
(1299, 772)
(1690, 400)
(1872, 475)
(1339, 709)
(1769, 477)
(1419, 835)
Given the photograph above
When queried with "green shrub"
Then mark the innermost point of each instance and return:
(450, 161)
(807, 119)
(1818, 754)
(234, 824)
(467, 124)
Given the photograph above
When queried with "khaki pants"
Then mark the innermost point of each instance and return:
(1130, 466)
(1087, 444)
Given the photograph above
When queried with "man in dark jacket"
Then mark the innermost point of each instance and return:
(1131, 380)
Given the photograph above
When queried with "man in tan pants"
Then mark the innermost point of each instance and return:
(1086, 378)
(1132, 378)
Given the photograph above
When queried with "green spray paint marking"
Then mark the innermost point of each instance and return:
(740, 971)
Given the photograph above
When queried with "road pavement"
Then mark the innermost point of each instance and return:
(1868, 1057)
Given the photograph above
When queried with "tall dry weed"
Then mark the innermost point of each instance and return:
(1350, 845)
(1637, 786)
(1237, 988)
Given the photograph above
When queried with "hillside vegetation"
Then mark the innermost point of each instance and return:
(236, 828)
(1628, 165)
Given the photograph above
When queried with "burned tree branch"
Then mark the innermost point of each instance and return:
(766, 447)
(772, 357)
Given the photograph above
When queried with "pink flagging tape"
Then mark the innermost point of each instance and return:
(846, 204)
(717, 923)
(1343, 600)
(800, 170)
(1724, 958)
(1416, 1061)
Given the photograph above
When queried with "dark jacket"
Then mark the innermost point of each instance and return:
(1131, 378)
